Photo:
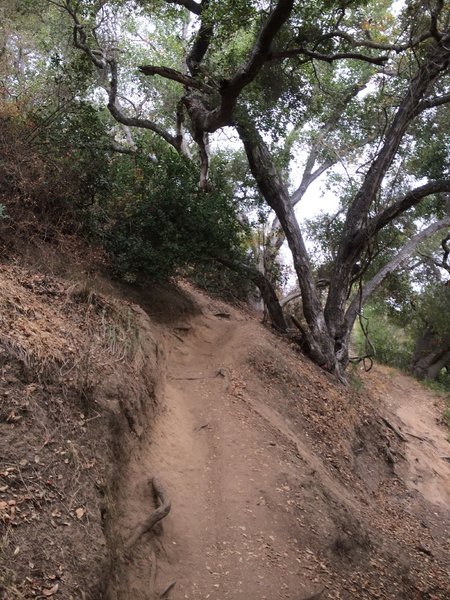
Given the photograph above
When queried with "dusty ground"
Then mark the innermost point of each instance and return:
(78, 372)
(283, 485)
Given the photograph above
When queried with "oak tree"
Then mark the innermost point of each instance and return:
(266, 69)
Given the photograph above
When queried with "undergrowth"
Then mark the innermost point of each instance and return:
(8, 589)
(391, 343)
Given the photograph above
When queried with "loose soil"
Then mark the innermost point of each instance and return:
(283, 484)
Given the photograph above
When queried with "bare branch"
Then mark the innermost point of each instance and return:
(410, 199)
(445, 246)
(134, 121)
(309, 176)
(105, 64)
(329, 58)
(290, 297)
(354, 43)
(116, 147)
(434, 28)
(181, 138)
(439, 264)
(201, 43)
(391, 266)
(247, 73)
(203, 145)
(79, 41)
(435, 63)
(432, 103)
(175, 75)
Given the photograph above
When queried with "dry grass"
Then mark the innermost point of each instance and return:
(8, 589)
(58, 344)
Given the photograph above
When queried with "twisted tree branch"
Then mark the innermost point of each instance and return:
(175, 75)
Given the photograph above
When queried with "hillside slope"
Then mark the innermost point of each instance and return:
(282, 484)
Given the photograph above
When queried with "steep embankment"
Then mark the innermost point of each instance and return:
(283, 485)
(79, 375)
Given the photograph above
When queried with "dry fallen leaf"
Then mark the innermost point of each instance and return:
(80, 512)
(51, 591)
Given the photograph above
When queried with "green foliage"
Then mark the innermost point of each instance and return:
(52, 167)
(157, 221)
(432, 310)
(393, 344)
(218, 281)
(441, 386)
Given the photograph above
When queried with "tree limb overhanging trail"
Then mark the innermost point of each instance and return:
(377, 280)
(215, 97)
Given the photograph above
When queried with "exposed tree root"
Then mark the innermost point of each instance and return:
(417, 437)
(155, 516)
(394, 429)
(165, 594)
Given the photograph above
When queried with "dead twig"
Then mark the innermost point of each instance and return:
(417, 437)
(165, 594)
(423, 549)
(200, 427)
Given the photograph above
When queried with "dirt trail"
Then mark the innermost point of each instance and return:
(257, 513)
(418, 418)
(228, 535)
(283, 484)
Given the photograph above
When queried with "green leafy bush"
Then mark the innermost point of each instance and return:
(156, 220)
(392, 343)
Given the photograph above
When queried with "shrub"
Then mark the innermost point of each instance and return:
(392, 344)
(157, 221)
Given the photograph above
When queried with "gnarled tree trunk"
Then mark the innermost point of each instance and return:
(431, 355)
(266, 289)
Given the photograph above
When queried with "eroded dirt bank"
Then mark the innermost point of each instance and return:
(282, 484)
(79, 377)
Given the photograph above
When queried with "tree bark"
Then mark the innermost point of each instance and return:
(320, 345)
(266, 289)
(430, 356)
(402, 255)
(356, 235)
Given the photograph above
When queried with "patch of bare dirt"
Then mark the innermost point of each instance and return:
(78, 378)
(417, 414)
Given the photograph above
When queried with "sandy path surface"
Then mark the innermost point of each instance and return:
(228, 535)
(256, 511)
(427, 448)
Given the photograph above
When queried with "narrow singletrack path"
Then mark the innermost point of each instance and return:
(228, 535)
